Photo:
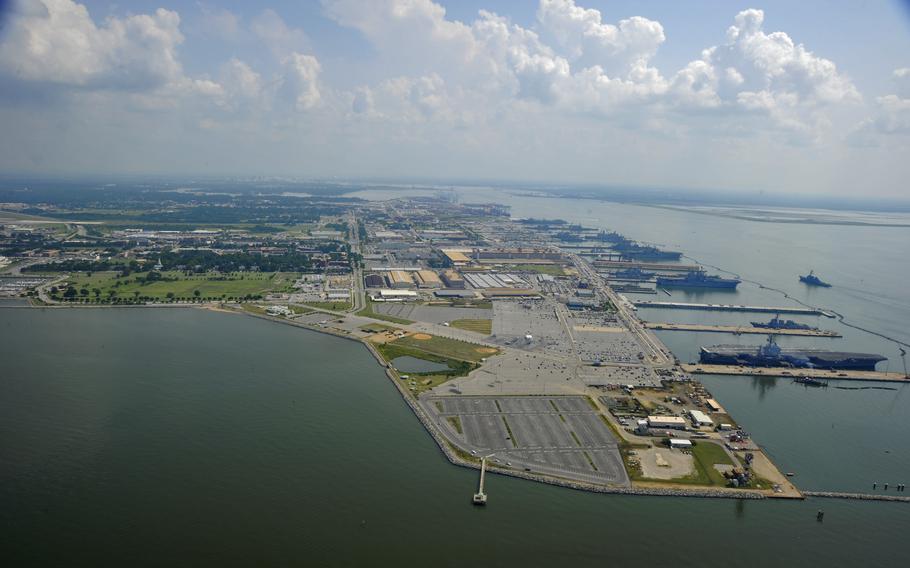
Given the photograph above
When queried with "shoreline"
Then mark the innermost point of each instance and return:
(453, 456)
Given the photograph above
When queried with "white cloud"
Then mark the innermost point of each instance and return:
(269, 28)
(581, 32)
(56, 41)
(303, 78)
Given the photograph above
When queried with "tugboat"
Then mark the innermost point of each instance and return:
(777, 323)
(812, 280)
(810, 382)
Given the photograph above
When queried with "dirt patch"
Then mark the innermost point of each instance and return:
(485, 350)
(422, 336)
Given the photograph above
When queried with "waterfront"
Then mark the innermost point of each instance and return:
(144, 436)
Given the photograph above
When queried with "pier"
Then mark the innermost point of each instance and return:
(740, 329)
(733, 308)
(480, 498)
(794, 372)
(658, 266)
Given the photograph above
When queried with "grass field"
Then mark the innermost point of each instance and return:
(445, 347)
(177, 286)
(429, 380)
(484, 326)
(705, 455)
(334, 306)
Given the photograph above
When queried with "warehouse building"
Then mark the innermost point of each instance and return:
(700, 418)
(675, 422)
(400, 279)
(453, 279)
(374, 281)
(428, 279)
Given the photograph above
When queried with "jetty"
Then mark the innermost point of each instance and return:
(657, 266)
(740, 329)
(796, 372)
(733, 308)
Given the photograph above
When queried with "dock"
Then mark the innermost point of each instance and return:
(657, 266)
(733, 308)
(793, 373)
(740, 329)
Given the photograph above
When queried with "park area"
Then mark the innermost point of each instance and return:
(111, 287)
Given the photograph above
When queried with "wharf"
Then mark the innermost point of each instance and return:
(740, 330)
(792, 372)
(733, 308)
(659, 266)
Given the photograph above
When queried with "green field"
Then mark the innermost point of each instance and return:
(176, 286)
(483, 326)
(445, 347)
(334, 306)
(705, 456)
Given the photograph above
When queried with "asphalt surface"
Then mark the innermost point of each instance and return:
(561, 436)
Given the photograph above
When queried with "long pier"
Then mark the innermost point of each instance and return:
(791, 372)
(658, 266)
(733, 308)
(740, 329)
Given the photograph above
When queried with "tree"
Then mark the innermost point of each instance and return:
(196, 293)
(70, 293)
(96, 292)
(170, 295)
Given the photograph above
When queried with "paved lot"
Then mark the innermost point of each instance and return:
(561, 436)
(431, 314)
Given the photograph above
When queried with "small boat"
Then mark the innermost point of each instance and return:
(810, 382)
(812, 280)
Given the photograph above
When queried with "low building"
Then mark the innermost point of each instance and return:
(680, 443)
(456, 257)
(374, 281)
(455, 294)
(674, 422)
(700, 418)
(428, 279)
(713, 406)
(400, 279)
(386, 294)
(453, 279)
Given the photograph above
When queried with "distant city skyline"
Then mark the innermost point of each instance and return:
(807, 98)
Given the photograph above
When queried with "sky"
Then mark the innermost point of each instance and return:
(797, 98)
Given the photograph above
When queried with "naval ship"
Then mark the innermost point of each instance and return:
(697, 279)
(633, 274)
(812, 280)
(772, 355)
(777, 323)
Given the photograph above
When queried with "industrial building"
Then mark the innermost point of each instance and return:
(675, 422)
(680, 443)
(453, 279)
(700, 418)
(374, 281)
(387, 295)
(400, 279)
(456, 257)
(428, 279)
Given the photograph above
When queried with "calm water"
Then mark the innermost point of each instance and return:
(183, 437)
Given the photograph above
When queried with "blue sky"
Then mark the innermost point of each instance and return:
(786, 97)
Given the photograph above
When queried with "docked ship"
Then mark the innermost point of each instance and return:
(635, 251)
(777, 323)
(633, 274)
(772, 355)
(812, 280)
(697, 279)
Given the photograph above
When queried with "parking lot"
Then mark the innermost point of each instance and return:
(562, 436)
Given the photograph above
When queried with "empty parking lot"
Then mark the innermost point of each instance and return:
(561, 436)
